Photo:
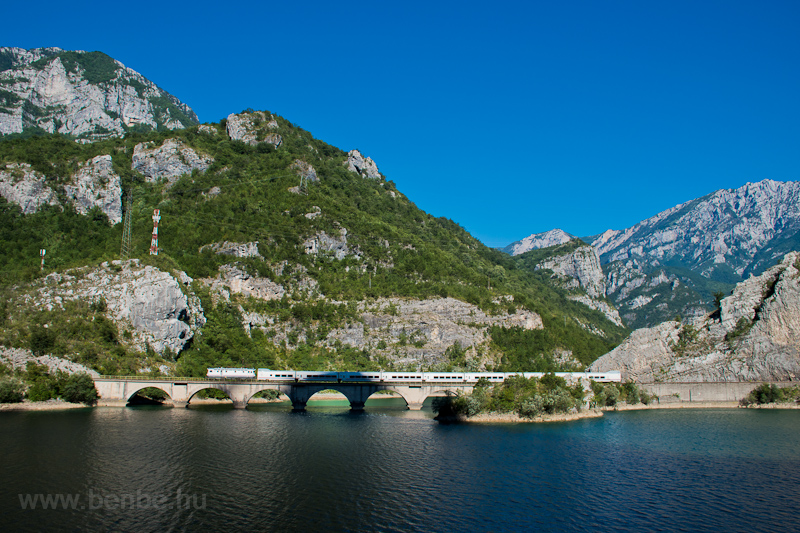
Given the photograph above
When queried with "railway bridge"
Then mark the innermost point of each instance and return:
(181, 391)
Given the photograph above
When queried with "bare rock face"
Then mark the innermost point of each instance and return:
(413, 333)
(756, 337)
(18, 358)
(171, 160)
(85, 94)
(236, 249)
(253, 128)
(232, 279)
(97, 185)
(600, 305)
(578, 268)
(305, 170)
(148, 301)
(538, 240)
(366, 167)
(207, 129)
(21, 185)
(333, 244)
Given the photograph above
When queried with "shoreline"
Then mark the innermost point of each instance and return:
(49, 405)
(60, 405)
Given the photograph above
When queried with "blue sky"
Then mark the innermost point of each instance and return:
(509, 118)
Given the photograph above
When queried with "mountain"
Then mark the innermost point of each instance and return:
(538, 240)
(753, 336)
(674, 263)
(86, 95)
(728, 233)
(275, 249)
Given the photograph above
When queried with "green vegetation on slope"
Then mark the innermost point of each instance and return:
(396, 250)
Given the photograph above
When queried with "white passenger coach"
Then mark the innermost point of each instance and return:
(310, 376)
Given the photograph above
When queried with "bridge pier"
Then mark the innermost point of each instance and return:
(179, 404)
(356, 406)
(239, 404)
(298, 405)
(414, 406)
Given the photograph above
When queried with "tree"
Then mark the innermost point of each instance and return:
(10, 391)
(79, 388)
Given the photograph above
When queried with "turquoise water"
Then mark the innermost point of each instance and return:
(267, 469)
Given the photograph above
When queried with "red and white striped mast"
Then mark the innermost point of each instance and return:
(154, 240)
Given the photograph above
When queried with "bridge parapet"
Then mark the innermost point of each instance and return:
(181, 391)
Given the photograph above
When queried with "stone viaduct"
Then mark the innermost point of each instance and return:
(240, 392)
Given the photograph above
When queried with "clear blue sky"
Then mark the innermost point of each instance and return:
(510, 118)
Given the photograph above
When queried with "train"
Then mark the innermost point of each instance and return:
(322, 376)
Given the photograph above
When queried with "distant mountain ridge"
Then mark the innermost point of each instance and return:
(730, 231)
(87, 95)
(674, 262)
(537, 241)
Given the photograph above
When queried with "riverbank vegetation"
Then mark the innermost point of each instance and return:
(250, 194)
(535, 397)
(770, 393)
(38, 384)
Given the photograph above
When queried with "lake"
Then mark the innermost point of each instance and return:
(266, 469)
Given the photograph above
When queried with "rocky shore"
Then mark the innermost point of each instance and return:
(49, 405)
(514, 418)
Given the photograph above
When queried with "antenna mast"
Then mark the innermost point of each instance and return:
(154, 240)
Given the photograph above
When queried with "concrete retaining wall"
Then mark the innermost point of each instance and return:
(705, 392)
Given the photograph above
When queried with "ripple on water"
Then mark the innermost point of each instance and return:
(328, 469)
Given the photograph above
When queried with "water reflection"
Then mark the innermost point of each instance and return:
(390, 469)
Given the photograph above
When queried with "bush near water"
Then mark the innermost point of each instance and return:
(534, 397)
(39, 384)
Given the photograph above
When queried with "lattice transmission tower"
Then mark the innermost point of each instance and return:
(125, 253)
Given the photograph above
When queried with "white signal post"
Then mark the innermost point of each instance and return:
(154, 240)
(41, 253)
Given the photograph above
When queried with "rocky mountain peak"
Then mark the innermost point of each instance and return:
(87, 95)
(364, 166)
(536, 241)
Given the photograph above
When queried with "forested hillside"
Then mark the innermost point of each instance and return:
(330, 248)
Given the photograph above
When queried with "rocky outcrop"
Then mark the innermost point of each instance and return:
(18, 359)
(600, 305)
(578, 268)
(538, 240)
(232, 279)
(755, 336)
(236, 249)
(413, 333)
(331, 244)
(84, 94)
(97, 185)
(171, 160)
(147, 302)
(207, 129)
(253, 128)
(305, 170)
(21, 185)
(365, 167)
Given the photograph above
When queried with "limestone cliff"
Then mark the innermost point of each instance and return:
(95, 184)
(537, 241)
(361, 165)
(673, 262)
(253, 128)
(754, 336)
(84, 94)
(171, 160)
(147, 302)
